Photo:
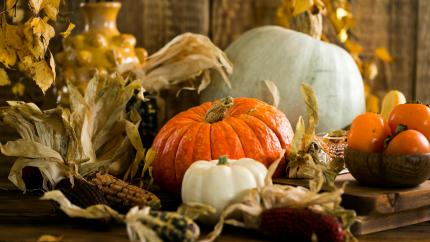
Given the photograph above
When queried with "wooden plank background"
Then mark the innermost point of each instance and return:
(399, 25)
(402, 26)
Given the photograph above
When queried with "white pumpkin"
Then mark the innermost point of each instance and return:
(220, 182)
(289, 58)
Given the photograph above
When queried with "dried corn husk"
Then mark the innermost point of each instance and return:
(185, 57)
(78, 141)
(142, 224)
(256, 200)
(307, 158)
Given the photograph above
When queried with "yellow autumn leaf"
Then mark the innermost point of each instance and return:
(40, 71)
(52, 65)
(383, 54)
(342, 35)
(7, 51)
(370, 70)
(10, 4)
(301, 6)
(43, 75)
(353, 47)
(372, 104)
(341, 13)
(7, 57)
(50, 8)
(18, 89)
(35, 5)
(4, 78)
(68, 31)
(41, 32)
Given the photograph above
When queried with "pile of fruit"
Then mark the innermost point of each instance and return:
(405, 132)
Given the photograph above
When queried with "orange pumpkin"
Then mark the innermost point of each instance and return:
(239, 127)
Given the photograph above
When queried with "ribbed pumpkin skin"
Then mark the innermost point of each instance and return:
(250, 128)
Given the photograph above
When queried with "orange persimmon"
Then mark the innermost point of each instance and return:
(414, 116)
(409, 142)
(368, 132)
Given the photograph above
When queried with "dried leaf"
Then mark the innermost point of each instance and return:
(370, 70)
(353, 48)
(68, 31)
(49, 238)
(44, 74)
(52, 65)
(184, 58)
(299, 133)
(10, 4)
(4, 78)
(29, 149)
(273, 89)
(51, 8)
(23, 46)
(92, 212)
(8, 37)
(36, 6)
(134, 137)
(312, 112)
(52, 171)
(139, 222)
(18, 89)
(383, 54)
(79, 141)
(41, 32)
(301, 6)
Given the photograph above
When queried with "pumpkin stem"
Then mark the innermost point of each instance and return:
(223, 160)
(216, 112)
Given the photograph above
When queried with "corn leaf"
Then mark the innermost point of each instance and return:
(184, 58)
(273, 89)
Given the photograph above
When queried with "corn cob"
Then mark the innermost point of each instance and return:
(172, 226)
(82, 194)
(122, 196)
(300, 224)
(336, 149)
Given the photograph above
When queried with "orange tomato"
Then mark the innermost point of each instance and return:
(414, 116)
(409, 142)
(368, 132)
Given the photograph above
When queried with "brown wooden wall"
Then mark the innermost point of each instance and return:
(402, 26)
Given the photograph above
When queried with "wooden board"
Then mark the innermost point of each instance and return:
(380, 209)
(374, 200)
(375, 223)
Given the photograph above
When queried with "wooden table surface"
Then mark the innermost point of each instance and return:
(25, 218)
(80, 233)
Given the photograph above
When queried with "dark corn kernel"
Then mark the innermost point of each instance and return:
(171, 226)
(122, 195)
(82, 194)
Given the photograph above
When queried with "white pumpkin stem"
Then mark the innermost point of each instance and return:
(223, 160)
(216, 112)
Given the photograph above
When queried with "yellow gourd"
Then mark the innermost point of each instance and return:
(391, 99)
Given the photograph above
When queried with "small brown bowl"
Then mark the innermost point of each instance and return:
(376, 169)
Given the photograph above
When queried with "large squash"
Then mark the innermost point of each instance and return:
(237, 128)
(289, 58)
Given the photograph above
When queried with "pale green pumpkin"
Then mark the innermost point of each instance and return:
(289, 58)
